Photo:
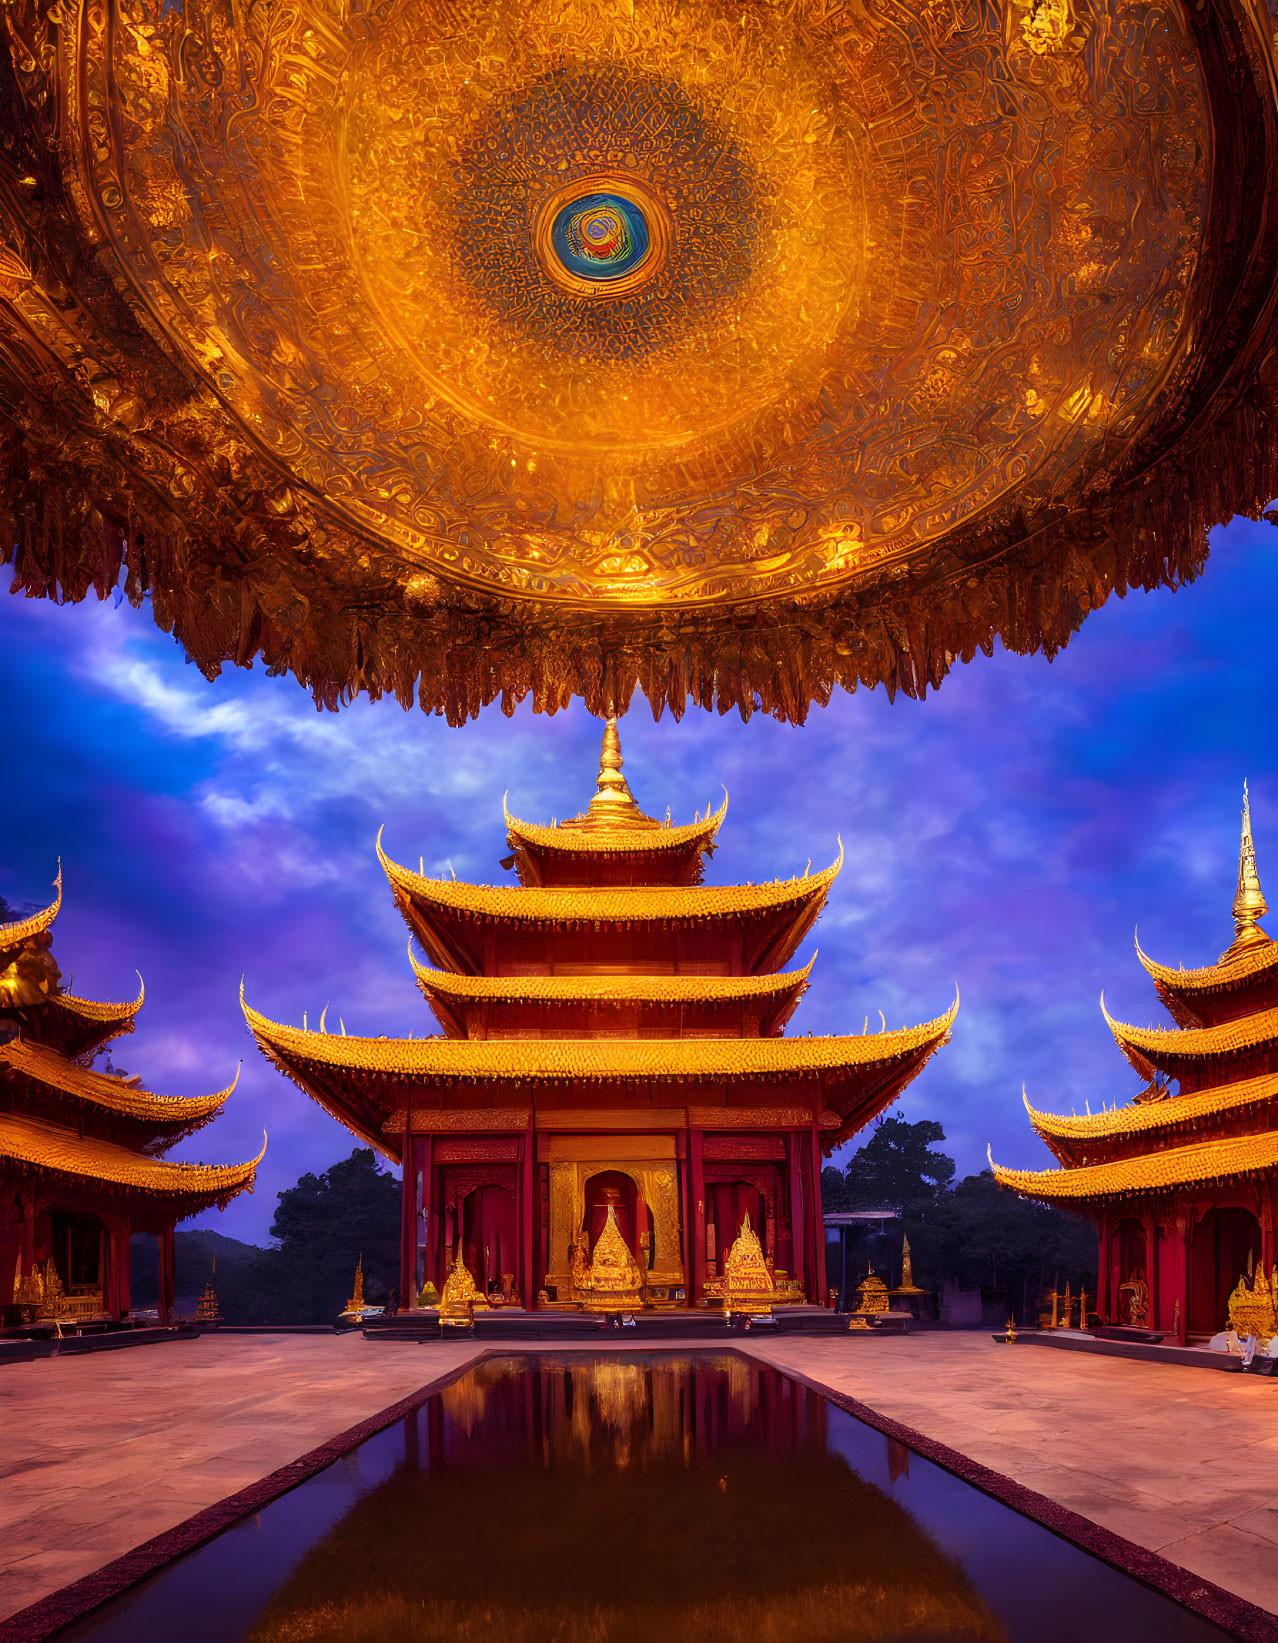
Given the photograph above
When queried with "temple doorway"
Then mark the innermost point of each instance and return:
(727, 1205)
(490, 1238)
(1224, 1241)
(1129, 1275)
(79, 1250)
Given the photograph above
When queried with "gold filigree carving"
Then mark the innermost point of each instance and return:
(433, 1120)
(263, 353)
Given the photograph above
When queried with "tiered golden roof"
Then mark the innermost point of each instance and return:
(1102, 1152)
(609, 989)
(639, 904)
(98, 1126)
(367, 1083)
(1153, 1117)
(568, 836)
(17, 931)
(1148, 1047)
(1200, 1164)
(50, 1147)
(176, 1116)
(574, 1059)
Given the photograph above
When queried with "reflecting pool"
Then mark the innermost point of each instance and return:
(664, 1498)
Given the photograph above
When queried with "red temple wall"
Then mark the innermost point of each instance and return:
(491, 1192)
(1215, 1008)
(694, 1019)
(697, 950)
(1194, 1247)
(586, 872)
(1210, 1075)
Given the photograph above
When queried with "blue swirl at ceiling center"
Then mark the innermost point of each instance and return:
(600, 237)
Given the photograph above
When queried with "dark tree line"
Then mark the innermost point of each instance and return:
(322, 1227)
(973, 1229)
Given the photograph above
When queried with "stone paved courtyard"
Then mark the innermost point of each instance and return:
(98, 1453)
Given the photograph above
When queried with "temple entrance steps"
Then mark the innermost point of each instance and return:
(510, 1324)
(1198, 1357)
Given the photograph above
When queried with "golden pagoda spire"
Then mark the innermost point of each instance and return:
(613, 805)
(1249, 901)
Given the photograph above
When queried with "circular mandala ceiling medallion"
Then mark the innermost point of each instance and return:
(625, 330)
(604, 242)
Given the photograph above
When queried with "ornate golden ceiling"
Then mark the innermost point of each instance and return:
(730, 351)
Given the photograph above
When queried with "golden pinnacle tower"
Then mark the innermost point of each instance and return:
(1249, 903)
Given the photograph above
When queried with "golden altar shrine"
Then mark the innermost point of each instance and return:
(747, 1284)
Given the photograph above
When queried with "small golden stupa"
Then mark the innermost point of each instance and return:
(613, 1280)
(54, 1301)
(871, 1300)
(457, 1303)
(747, 1283)
(1253, 1308)
(356, 1302)
(28, 1293)
(208, 1311)
(907, 1290)
(872, 1293)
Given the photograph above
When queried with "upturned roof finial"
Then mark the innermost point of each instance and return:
(1249, 901)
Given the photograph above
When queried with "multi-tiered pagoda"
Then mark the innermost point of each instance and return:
(81, 1165)
(611, 1060)
(1183, 1187)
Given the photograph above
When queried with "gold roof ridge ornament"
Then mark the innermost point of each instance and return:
(1250, 905)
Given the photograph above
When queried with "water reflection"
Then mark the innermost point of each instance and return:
(677, 1499)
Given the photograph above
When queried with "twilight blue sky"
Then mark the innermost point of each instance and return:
(1006, 835)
